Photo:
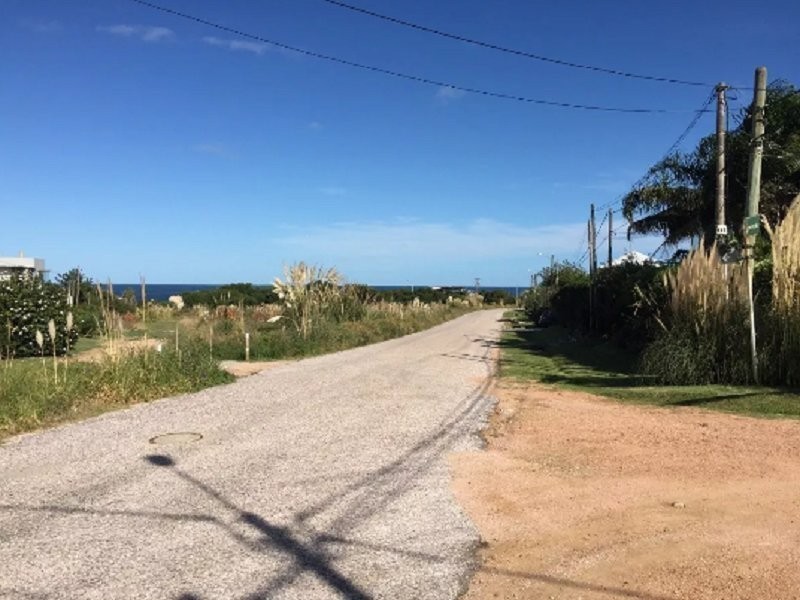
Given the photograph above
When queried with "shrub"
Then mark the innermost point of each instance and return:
(244, 294)
(26, 307)
(706, 339)
(308, 292)
(88, 319)
(501, 297)
(781, 356)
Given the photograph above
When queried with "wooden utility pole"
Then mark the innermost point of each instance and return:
(591, 275)
(593, 236)
(610, 237)
(751, 224)
(143, 285)
(722, 228)
(592, 266)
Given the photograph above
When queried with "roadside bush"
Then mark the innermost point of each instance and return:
(88, 319)
(26, 307)
(501, 297)
(29, 396)
(428, 295)
(245, 294)
(282, 339)
(705, 338)
(780, 359)
(629, 301)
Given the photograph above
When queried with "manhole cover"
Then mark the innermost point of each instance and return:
(183, 437)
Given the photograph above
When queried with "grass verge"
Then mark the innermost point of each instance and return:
(554, 356)
(281, 340)
(31, 398)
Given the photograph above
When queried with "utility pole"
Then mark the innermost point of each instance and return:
(722, 228)
(477, 285)
(752, 221)
(592, 265)
(610, 237)
(593, 235)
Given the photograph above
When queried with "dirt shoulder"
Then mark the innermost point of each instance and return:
(581, 497)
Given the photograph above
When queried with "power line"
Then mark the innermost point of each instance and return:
(398, 74)
(522, 53)
(692, 124)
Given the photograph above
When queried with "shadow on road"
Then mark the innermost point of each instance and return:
(310, 549)
(565, 584)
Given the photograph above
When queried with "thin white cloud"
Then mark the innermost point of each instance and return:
(237, 45)
(446, 94)
(332, 190)
(42, 26)
(416, 240)
(385, 251)
(146, 33)
(314, 125)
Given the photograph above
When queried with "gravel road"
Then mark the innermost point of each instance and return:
(324, 478)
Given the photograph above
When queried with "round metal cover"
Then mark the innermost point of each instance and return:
(180, 437)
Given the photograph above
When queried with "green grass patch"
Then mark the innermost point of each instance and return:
(30, 397)
(281, 340)
(555, 356)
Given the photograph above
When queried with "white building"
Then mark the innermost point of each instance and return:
(21, 265)
(634, 257)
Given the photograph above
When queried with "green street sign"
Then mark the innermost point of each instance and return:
(752, 225)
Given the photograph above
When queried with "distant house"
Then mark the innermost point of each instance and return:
(21, 265)
(634, 257)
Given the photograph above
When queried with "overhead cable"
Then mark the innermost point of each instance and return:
(692, 124)
(400, 75)
(522, 53)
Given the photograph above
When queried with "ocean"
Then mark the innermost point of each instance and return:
(161, 292)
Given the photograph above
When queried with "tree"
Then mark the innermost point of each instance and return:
(78, 286)
(677, 196)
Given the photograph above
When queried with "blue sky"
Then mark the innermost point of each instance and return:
(138, 142)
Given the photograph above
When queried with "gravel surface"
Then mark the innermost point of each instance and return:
(323, 478)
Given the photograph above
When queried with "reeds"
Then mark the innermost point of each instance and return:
(706, 337)
(784, 349)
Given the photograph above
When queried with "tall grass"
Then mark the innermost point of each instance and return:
(30, 398)
(783, 350)
(706, 338)
(270, 339)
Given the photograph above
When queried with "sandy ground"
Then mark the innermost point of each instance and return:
(241, 368)
(580, 497)
(123, 346)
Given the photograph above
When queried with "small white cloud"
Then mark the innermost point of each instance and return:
(124, 30)
(156, 34)
(333, 190)
(146, 33)
(315, 125)
(447, 94)
(42, 26)
(240, 45)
